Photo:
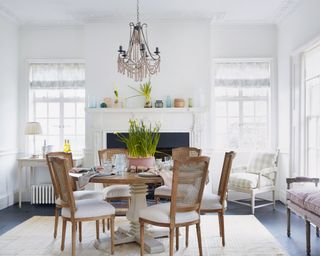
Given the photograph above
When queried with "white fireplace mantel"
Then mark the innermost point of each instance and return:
(100, 121)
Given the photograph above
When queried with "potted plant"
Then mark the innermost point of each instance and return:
(141, 142)
(117, 103)
(145, 91)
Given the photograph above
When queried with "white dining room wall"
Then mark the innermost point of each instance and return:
(8, 109)
(297, 30)
(62, 42)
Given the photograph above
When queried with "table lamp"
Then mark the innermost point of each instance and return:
(33, 128)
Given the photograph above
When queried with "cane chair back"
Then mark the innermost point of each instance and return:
(188, 183)
(69, 164)
(225, 174)
(108, 153)
(183, 153)
(59, 167)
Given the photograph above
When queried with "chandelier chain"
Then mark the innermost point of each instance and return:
(138, 14)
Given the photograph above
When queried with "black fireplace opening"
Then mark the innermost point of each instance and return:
(167, 141)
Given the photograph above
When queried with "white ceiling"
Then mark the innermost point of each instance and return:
(82, 11)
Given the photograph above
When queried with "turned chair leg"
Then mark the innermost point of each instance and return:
(252, 202)
(187, 236)
(80, 231)
(288, 222)
(56, 221)
(97, 229)
(308, 244)
(74, 230)
(63, 237)
(141, 238)
(104, 226)
(221, 226)
(171, 236)
(112, 234)
(177, 238)
(274, 199)
(199, 238)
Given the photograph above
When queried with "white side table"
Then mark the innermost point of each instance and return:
(32, 163)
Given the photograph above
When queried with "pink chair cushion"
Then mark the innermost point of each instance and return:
(312, 203)
(298, 196)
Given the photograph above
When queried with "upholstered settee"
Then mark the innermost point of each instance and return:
(305, 202)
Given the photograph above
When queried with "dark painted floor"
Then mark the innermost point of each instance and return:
(274, 221)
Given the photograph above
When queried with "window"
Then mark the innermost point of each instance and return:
(312, 83)
(57, 102)
(242, 105)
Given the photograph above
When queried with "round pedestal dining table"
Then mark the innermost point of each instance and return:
(138, 190)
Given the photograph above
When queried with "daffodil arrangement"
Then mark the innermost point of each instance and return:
(142, 139)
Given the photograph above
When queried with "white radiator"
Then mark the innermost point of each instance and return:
(42, 194)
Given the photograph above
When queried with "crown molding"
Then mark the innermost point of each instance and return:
(7, 14)
(284, 10)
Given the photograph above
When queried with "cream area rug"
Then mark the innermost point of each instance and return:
(245, 236)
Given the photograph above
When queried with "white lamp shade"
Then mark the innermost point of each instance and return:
(33, 128)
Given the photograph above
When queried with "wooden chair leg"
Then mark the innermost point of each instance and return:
(141, 238)
(317, 231)
(108, 224)
(252, 202)
(74, 232)
(156, 199)
(308, 244)
(80, 231)
(288, 222)
(177, 238)
(63, 237)
(112, 234)
(274, 199)
(56, 221)
(199, 238)
(103, 226)
(171, 237)
(97, 229)
(187, 236)
(221, 226)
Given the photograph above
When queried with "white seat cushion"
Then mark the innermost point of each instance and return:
(162, 191)
(161, 213)
(89, 208)
(116, 191)
(248, 180)
(84, 194)
(210, 202)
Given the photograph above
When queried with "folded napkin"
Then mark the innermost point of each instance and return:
(84, 179)
(166, 175)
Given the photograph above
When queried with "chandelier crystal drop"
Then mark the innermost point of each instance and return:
(138, 61)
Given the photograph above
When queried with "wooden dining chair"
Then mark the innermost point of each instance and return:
(78, 195)
(116, 191)
(179, 154)
(184, 210)
(215, 203)
(81, 210)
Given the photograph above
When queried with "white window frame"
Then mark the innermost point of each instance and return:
(272, 103)
(31, 101)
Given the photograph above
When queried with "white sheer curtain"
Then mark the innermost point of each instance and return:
(57, 75)
(243, 74)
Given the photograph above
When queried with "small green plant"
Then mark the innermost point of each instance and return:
(116, 94)
(142, 139)
(145, 91)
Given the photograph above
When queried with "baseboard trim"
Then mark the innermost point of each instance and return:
(6, 201)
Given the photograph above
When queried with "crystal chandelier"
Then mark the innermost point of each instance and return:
(138, 61)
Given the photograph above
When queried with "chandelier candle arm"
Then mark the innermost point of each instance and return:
(138, 61)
